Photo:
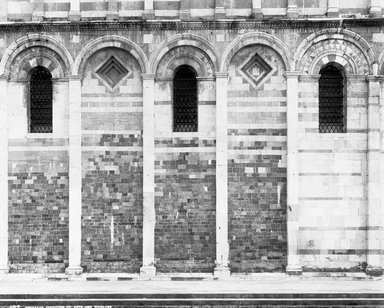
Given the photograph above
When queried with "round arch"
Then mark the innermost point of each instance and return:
(355, 43)
(35, 40)
(35, 59)
(256, 38)
(345, 62)
(179, 40)
(184, 55)
(110, 41)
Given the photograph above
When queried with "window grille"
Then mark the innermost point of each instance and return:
(185, 100)
(331, 101)
(40, 101)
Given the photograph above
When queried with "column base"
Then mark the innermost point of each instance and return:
(74, 16)
(74, 271)
(294, 270)
(112, 15)
(375, 12)
(4, 270)
(222, 272)
(333, 13)
(147, 271)
(375, 271)
(149, 14)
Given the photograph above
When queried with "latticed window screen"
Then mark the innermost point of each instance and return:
(185, 100)
(40, 101)
(331, 101)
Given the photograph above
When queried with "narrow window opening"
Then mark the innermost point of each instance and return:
(331, 100)
(40, 101)
(185, 100)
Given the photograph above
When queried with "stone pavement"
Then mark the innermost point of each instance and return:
(120, 283)
(116, 290)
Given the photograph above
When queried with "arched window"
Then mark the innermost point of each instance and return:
(332, 111)
(185, 100)
(40, 100)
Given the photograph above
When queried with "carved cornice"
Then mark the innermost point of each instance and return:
(154, 25)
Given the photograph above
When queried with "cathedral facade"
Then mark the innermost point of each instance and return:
(212, 136)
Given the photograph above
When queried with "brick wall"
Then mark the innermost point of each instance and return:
(257, 161)
(38, 206)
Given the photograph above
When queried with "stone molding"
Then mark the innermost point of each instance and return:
(265, 24)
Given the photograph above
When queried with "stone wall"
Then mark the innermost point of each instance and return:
(202, 9)
(257, 160)
(185, 193)
(334, 209)
(333, 174)
(112, 164)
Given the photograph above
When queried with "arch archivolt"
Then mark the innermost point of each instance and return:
(37, 56)
(256, 38)
(110, 41)
(344, 61)
(184, 55)
(186, 44)
(335, 45)
(45, 50)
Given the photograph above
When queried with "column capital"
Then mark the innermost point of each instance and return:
(75, 77)
(309, 78)
(373, 78)
(356, 78)
(292, 74)
(148, 76)
(221, 75)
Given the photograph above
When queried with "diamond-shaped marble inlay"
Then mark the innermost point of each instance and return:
(112, 72)
(256, 70)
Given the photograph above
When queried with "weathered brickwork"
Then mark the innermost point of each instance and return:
(256, 166)
(38, 209)
(185, 205)
(112, 208)
(112, 164)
